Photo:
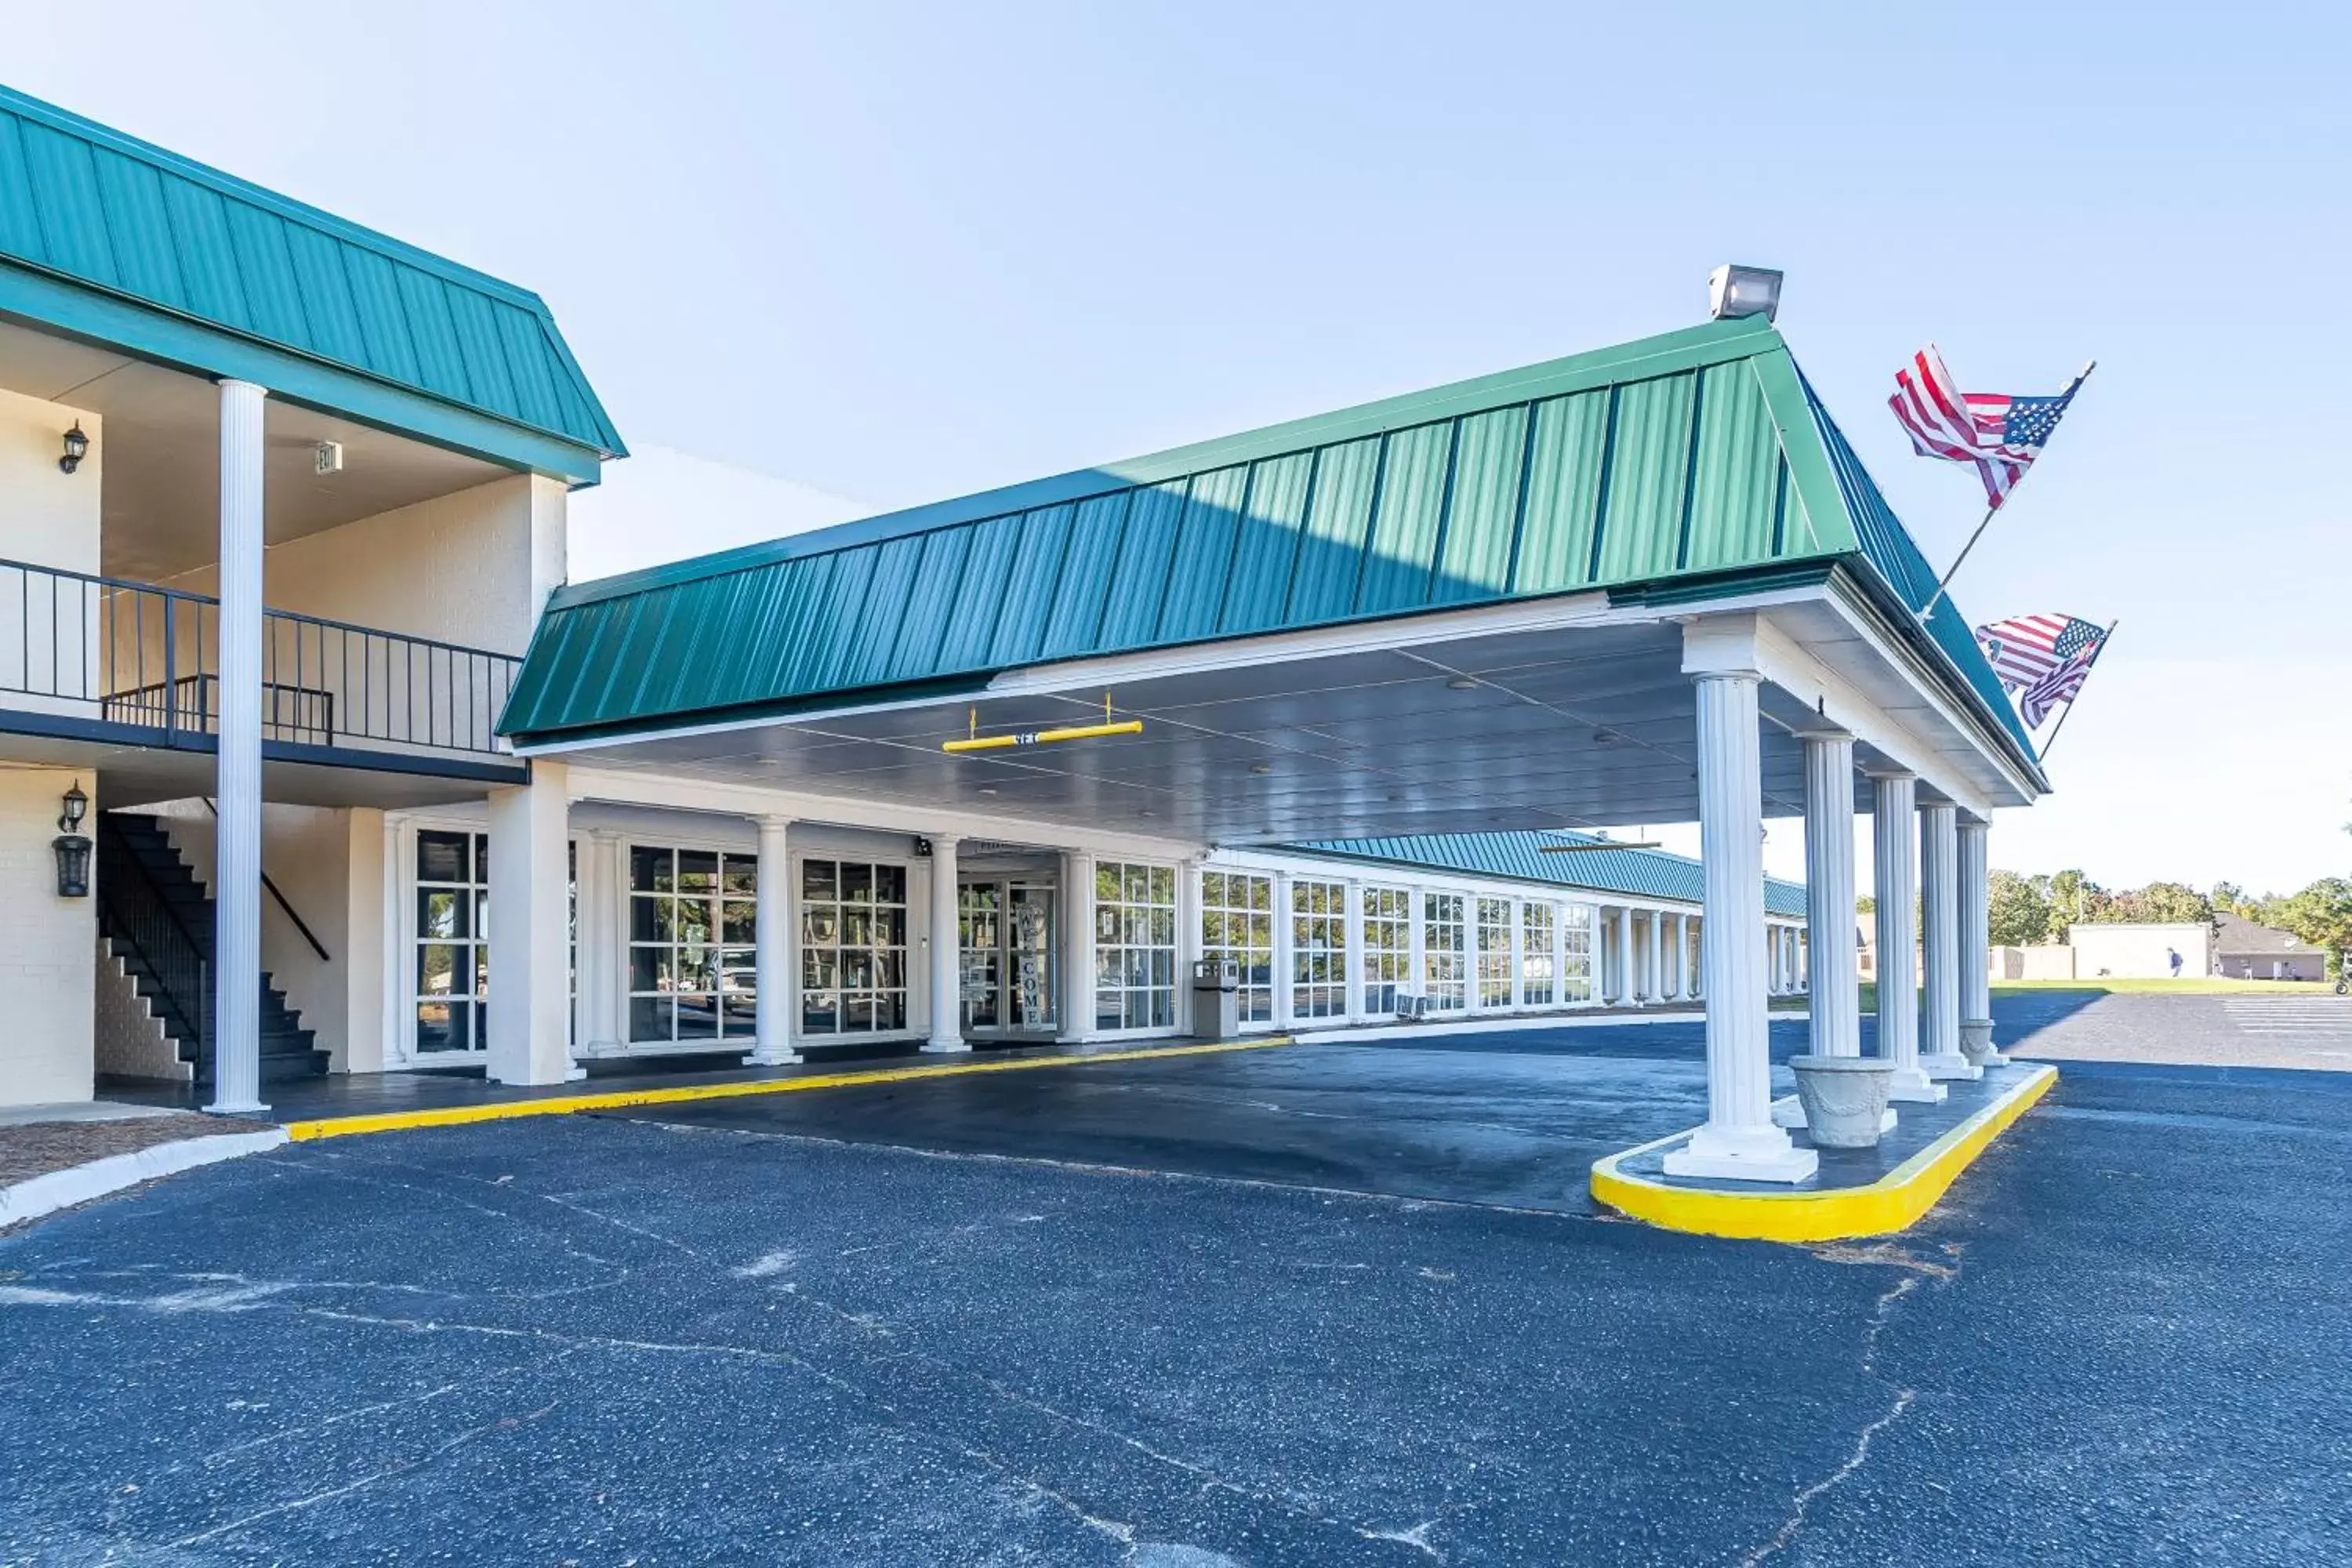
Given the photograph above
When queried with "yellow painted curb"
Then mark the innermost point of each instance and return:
(565, 1105)
(1893, 1202)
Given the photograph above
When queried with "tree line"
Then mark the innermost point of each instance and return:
(2024, 910)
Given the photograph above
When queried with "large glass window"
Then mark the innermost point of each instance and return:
(693, 929)
(1318, 949)
(453, 945)
(1444, 956)
(853, 947)
(1387, 946)
(1536, 979)
(1237, 923)
(1135, 946)
(1575, 953)
(1493, 952)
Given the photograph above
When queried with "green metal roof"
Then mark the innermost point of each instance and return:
(1686, 459)
(111, 238)
(1520, 858)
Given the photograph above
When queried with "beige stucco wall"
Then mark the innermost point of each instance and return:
(329, 862)
(471, 568)
(51, 517)
(49, 948)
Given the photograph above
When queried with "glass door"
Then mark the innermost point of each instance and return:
(979, 969)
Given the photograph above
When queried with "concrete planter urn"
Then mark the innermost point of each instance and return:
(1844, 1099)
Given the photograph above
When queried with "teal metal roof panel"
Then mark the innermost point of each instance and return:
(1697, 454)
(101, 210)
(1520, 857)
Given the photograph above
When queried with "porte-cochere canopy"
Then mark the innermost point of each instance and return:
(1694, 464)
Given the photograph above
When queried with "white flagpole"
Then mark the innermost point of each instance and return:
(2086, 676)
(1954, 570)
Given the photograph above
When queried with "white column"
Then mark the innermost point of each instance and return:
(1894, 801)
(530, 934)
(1519, 953)
(603, 937)
(1078, 998)
(947, 989)
(1698, 959)
(1976, 979)
(1738, 1140)
(777, 955)
(1939, 861)
(236, 878)
(1353, 969)
(1624, 956)
(1654, 963)
(1835, 1005)
(1286, 954)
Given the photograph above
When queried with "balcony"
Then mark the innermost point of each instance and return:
(108, 660)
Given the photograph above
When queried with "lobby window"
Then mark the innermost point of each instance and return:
(1493, 952)
(693, 923)
(1536, 981)
(1237, 923)
(1318, 949)
(453, 948)
(1387, 946)
(1444, 952)
(853, 947)
(1135, 946)
(1576, 952)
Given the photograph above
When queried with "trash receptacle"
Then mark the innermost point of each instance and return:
(1216, 999)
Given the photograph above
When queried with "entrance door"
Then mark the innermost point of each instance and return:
(1007, 964)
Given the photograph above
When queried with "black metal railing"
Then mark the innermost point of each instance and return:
(131, 653)
(136, 914)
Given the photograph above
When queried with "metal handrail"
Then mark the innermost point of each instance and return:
(154, 932)
(148, 656)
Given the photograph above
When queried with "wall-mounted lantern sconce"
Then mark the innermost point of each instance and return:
(73, 847)
(76, 448)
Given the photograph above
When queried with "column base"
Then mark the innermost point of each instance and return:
(1913, 1087)
(234, 1108)
(1790, 1112)
(1976, 1043)
(783, 1058)
(1742, 1154)
(945, 1048)
(1949, 1067)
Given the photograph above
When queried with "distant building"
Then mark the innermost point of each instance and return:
(2245, 951)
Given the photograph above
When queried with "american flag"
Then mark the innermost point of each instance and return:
(2043, 657)
(2000, 435)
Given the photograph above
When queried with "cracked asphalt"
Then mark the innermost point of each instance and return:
(733, 1338)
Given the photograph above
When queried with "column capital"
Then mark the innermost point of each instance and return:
(1887, 770)
(230, 383)
(1824, 734)
(769, 820)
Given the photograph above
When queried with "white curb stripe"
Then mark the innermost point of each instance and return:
(77, 1184)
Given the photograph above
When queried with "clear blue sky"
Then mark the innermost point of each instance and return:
(896, 253)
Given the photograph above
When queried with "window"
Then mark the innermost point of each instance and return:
(1237, 923)
(1444, 958)
(1135, 946)
(1493, 952)
(853, 948)
(453, 950)
(693, 926)
(1535, 955)
(1387, 946)
(1575, 953)
(1318, 949)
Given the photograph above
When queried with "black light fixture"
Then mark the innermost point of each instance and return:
(76, 448)
(72, 846)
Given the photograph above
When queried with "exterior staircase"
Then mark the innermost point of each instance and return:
(157, 918)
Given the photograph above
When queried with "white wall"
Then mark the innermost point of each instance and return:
(2139, 951)
(48, 630)
(49, 948)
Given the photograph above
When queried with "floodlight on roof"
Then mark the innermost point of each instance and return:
(1735, 290)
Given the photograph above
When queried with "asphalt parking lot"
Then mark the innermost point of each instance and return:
(1323, 1304)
